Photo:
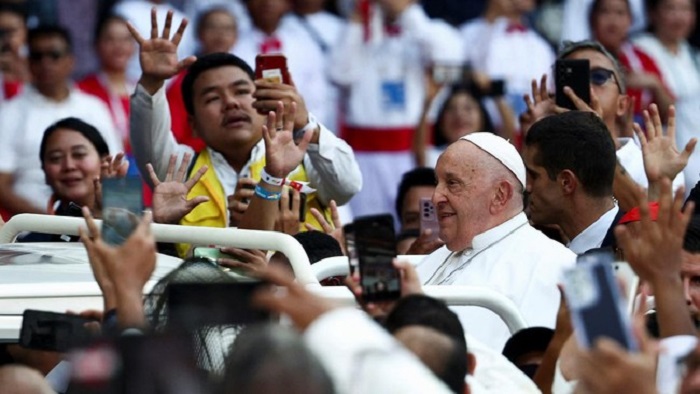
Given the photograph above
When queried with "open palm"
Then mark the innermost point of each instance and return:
(170, 203)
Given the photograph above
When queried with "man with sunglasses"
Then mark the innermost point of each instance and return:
(49, 98)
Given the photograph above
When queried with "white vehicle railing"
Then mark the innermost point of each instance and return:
(246, 239)
(452, 295)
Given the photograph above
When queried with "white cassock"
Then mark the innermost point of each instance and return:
(514, 259)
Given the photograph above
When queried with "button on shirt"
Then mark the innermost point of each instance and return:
(592, 237)
(514, 259)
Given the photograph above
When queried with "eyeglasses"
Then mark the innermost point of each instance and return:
(39, 56)
(600, 76)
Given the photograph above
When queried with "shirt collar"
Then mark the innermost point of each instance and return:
(492, 235)
(592, 237)
(226, 174)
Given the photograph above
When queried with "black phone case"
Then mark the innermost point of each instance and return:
(574, 73)
(375, 242)
(51, 331)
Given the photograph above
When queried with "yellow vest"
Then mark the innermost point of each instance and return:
(214, 213)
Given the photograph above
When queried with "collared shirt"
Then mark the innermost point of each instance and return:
(514, 259)
(23, 121)
(592, 237)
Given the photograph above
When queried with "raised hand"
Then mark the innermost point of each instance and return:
(539, 106)
(282, 154)
(158, 55)
(661, 156)
(335, 229)
(170, 203)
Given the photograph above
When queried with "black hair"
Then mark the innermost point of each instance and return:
(570, 47)
(424, 311)
(202, 16)
(577, 141)
(318, 245)
(273, 358)
(470, 89)
(421, 176)
(102, 24)
(206, 63)
(16, 9)
(50, 31)
(74, 124)
(691, 241)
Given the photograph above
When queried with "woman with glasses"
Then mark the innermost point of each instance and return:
(671, 23)
(610, 22)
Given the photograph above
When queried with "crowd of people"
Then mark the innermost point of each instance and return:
(389, 103)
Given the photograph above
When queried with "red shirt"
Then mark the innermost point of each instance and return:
(634, 59)
(178, 115)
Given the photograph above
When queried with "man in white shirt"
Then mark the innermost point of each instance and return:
(488, 240)
(49, 98)
(570, 161)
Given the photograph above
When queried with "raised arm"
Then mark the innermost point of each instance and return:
(151, 138)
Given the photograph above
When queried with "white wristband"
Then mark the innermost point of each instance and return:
(269, 179)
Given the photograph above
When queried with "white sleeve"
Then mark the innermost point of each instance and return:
(672, 350)
(361, 357)
(332, 168)
(346, 59)
(101, 118)
(438, 41)
(151, 138)
(574, 26)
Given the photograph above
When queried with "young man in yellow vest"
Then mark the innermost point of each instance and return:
(224, 103)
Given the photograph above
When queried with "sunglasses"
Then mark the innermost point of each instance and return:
(39, 56)
(600, 76)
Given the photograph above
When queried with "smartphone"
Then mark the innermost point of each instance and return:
(58, 332)
(498, 88)
(375, 242)
(428, 218)
(302, 204)
(576, 74)
(122, 207)
(272, 68)
(596, 307)
(350, 249)
(194, 305)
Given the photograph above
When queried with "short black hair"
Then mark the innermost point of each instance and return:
(102, 24)
(425, 311)
(42, 31)
(203, 15)
(691, 241)
(16, 9)
(595, 8)
(206, 63)
(470, 89)
(318, 245)
(577, 141)
(74, 124)
(421, 176)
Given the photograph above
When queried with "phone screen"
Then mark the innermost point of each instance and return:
(122, 206)
(375, 242)
(574, 73)
(594, 301)
(59, 332)
(194, 305)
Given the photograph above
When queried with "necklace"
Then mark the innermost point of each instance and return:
(441, 269)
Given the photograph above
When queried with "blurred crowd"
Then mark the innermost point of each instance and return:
(444, 111)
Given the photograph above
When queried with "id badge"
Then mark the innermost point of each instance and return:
(393, 95)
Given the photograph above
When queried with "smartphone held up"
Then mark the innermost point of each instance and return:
(375, 247)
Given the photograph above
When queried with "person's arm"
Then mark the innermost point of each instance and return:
(346, 58)
(420, 136)
(624, 188)
(151, 138)
(507, 118)
(438, 41)
(10, 201)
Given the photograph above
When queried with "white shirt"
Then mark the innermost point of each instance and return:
(138, 12)
(592, 237)
(330, 164)
(23, 121)
(516, 57)
(372, 70)
(305, 61)
(681, 73)
(632, 160)
(494, 373)
(361, 357)
(513, 259)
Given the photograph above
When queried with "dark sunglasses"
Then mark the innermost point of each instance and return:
(600, 76)
(39, 56)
